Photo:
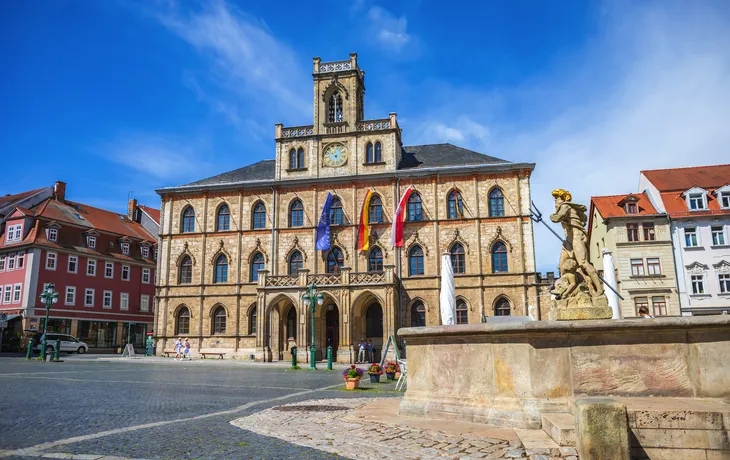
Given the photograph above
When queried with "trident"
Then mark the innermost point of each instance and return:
(536, 216)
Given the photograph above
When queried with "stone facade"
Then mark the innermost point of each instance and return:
(264, 312)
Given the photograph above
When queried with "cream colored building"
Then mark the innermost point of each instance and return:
(639, 238)
(238, 249)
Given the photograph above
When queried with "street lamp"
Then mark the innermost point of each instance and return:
(310, 298)
(48, 296)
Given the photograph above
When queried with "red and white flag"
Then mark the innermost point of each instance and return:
(396, 232)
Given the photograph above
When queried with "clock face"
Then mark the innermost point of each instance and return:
(335, 155)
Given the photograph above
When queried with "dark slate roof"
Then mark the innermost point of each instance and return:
(440, 155)
(413, 157)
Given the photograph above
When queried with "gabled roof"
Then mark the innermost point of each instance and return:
(152, 212)
(612, 205)
(682, 179)
(7, 199)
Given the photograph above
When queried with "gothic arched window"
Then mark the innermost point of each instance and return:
(457, 258)
(369, 155)
(293, 159)
(252, 320)
(336, 216)
(219, 320)
(335, 260)
(378, 152)
(296, 214)
(455, 206)
(186, 271)
(188, 220)
(376, 210)
(415, 207)
(499, 257)
(418, 314)
(496, 203)
(296, 262)
(257, 263)
(259, 215)
(334, 112)
(223, 222)
(462, 312)
(502, 307)
(183, 321)
(415, 261)
(375, 260)
(221, 269)
(300, 159)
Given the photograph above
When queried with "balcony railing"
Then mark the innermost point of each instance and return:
(297, 131)
(343, 278)
(374, 125)
(337, 66)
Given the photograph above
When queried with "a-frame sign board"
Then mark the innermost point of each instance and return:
(388, 343)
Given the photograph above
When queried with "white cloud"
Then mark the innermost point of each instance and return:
(390, 31)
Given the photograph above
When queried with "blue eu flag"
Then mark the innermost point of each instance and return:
(323, 228)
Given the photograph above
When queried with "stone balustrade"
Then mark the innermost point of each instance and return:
(344, 278)
(374, 125)
(296, 131)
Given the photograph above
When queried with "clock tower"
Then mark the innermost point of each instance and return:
(340, 142)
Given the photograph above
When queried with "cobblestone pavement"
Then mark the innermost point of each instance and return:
(319, 425)
(175, 410)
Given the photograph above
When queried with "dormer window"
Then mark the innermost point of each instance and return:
(696, 201)
(52, 234)
(125, 249)
(631, 208)
(91, 241)
(14, 233)
(725, 200)
(145, 252)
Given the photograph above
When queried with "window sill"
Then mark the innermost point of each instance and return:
(646, 276)
(694, 248)
(377, 163)
(295, 169)
(720, 246)
(700, 295)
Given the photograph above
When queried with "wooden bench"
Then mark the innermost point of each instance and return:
(205, 354)
(167, 353)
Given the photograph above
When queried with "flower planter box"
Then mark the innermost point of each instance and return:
(352, 384)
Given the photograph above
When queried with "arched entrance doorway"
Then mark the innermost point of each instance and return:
(374, 328)
(332, 329)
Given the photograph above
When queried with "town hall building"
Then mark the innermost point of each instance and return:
(237, 250)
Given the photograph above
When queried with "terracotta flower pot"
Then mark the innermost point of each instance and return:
(397, 375)
(352, 384)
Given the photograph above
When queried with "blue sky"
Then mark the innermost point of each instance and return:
(116, 97)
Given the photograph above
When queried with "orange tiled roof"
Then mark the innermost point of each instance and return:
(612, 205)
(682, 179)
(152, 212)
(676, 206)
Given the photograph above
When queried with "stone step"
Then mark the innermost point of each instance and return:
(560, 426)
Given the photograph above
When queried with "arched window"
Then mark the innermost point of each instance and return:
(293, 159)
(499, 257)
(336, 217)
(375, 261)
(257, 263)
(259, 215)
(415, 261)
(186, 271)
(378, 152)
(188, 221)
(296, 262)
(221, 269)
(457, 258)
(418, 314)
(223, 222)
(374, 321)
(291, 324)
(335, 260)
(462, 312)
(252, 320)
(334, 112)
(455, 207)
(415, 207)
(183, 321)
(296, 214)
(300, 159)
(502, 307)
(496, 203)
(369, 153)
(376, 210)
(219, 320)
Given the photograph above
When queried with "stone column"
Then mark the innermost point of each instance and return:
(609, 277)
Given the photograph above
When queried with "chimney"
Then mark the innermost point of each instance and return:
(132, 209)
(59, 190)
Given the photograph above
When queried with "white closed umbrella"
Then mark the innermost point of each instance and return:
(448, 294)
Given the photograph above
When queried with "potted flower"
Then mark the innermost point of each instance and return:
(375, 372)
(390, 370)
(352, 377)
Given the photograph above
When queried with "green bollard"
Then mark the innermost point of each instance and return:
(57, 348)
(293, 356)
(30, 349)
(329, 358)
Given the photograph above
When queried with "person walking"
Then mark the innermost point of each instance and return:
(371, 351)
(361, 353)
(186, 350)
(178, 349)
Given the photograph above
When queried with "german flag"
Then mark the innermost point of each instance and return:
(363, 235)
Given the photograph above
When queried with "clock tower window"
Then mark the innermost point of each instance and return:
(334, 114)
(296, 159)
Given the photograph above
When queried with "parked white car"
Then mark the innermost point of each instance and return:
(69, 343)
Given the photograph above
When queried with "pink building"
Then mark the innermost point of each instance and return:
(102, 265)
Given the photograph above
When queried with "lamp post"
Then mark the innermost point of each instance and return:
(310, 298)
(48, 296)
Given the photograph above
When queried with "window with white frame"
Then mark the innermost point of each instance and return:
(20, 261)
(2, 263)
(696, 201)
(718, 236)
(11, 261)
(690, 237)
(70, 298)
(91, 267)
(51, 258)
(698, 284)
(107, 299)
(637, 267)
(125, 249)
(146, 275)
(652, 266)
(14, 233)
(89, 297)
(52, 234)
(109, 270)
(144, 303)
(7, 292)
(724, 200)
(125, 272)
(91, 241)
(124, 301)
(16, 292)
(73, 264)
(145, 252)
(724, 279)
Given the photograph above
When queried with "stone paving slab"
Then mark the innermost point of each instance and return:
(359, 433)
